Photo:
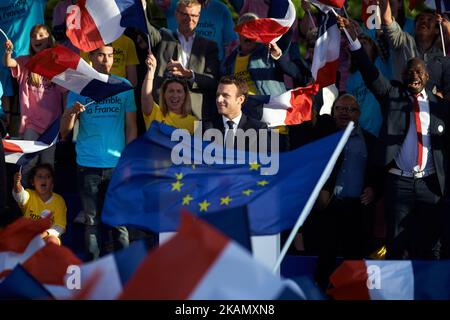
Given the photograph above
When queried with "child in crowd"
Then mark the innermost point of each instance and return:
(37, 203)
(41, 101)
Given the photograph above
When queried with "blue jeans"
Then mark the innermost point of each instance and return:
(93, 183)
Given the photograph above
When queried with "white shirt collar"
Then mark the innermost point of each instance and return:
(235, 120)
(183, 38)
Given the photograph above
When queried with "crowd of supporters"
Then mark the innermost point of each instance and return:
(388, 194)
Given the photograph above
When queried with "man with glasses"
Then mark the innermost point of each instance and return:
(189, 56)
(343, 225)
(215, 23)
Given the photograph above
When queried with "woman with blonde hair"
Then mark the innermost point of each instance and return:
(175, 101)
(41, 101)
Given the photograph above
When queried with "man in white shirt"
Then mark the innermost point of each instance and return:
(413, 148)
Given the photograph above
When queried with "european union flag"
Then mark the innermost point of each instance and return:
(148, 190)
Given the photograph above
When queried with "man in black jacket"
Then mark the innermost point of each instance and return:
(230, 96)
(413, 148)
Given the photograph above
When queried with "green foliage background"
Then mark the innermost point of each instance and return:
(157, 17)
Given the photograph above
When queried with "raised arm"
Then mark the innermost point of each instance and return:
(8, 61)
(68, 118)
(19, 193)
(386, 13)
(396, 36)
(373, 79)
(147, 85)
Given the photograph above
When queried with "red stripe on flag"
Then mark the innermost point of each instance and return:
(85, 35)
(49, 265)
(16, 236)
(11, 147)
(333, 3)
(262, 30)
(53, 61)
(174, 269)
(350, 281)
(327, 74)
(5, 273)
(301, 102)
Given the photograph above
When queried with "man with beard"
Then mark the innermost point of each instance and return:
(413, 148)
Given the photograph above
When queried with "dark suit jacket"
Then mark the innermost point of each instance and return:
(396, 107)
(245, 123)
(204, 62)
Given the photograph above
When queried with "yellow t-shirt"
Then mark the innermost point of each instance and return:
(241, 70)
(171, 119)
(34, 206)
(124, 55)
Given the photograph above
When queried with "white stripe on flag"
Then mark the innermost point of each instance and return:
(109, 286)
(12, 157)
(9, 259)
(238, 276)
(274, 113)
(326, 49)
(273, 117)
(72, 79)
(106, 16)
(84, 68)
(288, 20)
(396, 282)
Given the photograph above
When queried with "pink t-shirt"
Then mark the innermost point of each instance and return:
(39, 106)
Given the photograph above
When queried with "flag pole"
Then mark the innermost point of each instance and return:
(311, 19)
(442, 38)
(88, 104)
(149, 44)
(345, 30)
(315, 193)
(4, 34)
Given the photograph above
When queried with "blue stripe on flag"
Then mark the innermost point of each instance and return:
(129, 259)
(132, 14)
(20, 284)
(99, 90)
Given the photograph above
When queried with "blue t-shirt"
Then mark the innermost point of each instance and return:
(101, 136)
(17, 18)
(216, 23)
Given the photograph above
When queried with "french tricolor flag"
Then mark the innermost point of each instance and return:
(104, 279)
(21, 151)
(201, 263)
(391, 280)
(94, 23)
(21, 243)
(327, 5)
(65, 68)
(270, 30)
(290, 108)
(326, 51)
